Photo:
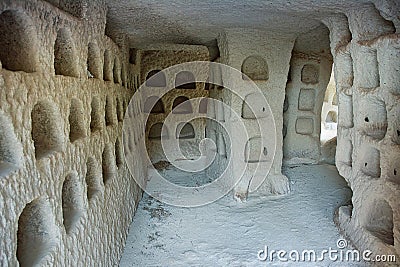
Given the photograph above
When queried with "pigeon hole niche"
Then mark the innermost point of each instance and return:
(65, 55)
(37, 233)
(18, 42)
(154, 105)
(72, 201)
(47, 132)
(182, 105)
(94, 65)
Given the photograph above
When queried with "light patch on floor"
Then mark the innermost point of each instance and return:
(228, 233)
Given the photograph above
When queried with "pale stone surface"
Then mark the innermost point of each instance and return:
(161, 57)
(178, 21)
(367, 129)
(51, 160)
(68, 70)
(225, 233)
(310, 70)
(236, 45)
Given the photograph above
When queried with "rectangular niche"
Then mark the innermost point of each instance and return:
(345, 111)
(345, 151)
(344, 69)
(390, 71)
(370, 161)
(254, 106)
(367, 68)
(306, 99)
(379, 221)
(255, 150)
(304, 125)
(372, 118)
(310, 74)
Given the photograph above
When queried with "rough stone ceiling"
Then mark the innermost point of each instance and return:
(199, 22)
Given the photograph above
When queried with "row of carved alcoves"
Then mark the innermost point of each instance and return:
(20, 51)
(36, 225)
(47, 130)
(253, 67)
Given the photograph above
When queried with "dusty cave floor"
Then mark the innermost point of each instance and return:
(228, 233)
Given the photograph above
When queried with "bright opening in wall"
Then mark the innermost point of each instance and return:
(329, 119)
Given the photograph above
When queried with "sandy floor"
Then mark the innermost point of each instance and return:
(228, 233)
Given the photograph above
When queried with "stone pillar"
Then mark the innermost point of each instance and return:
(242, 49)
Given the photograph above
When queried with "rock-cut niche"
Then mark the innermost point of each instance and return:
(65, 56)
(156, 78)
(182, 105)
(18, 42)
(72, 201)
(37, 233)
(185, 80)
(255, 68)
(47, 132)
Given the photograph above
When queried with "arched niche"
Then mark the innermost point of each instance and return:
(154, 105)
(77, 123)
(72, 201)
(370, 161)
(110, 114)
(220, 111)
(157, 131)
(108, 164)
(156, 78)
(117, 70)
(94, 65)
(47, 133)
(37, 234)
(182, 105)
(93, 178)
(185, 131)
(255, 150)
(108, 66)
(331, 116)
(65, 56)
(185, 80)
(221, 145)
(379, 221)
(119, 154)
(96, 118)
(255, 68)
(203, 105)
(18, 42)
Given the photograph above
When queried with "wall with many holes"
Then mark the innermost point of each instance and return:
(265, 60)
(366, 53)
(165, 96)
(66, 196)
(310, 70)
